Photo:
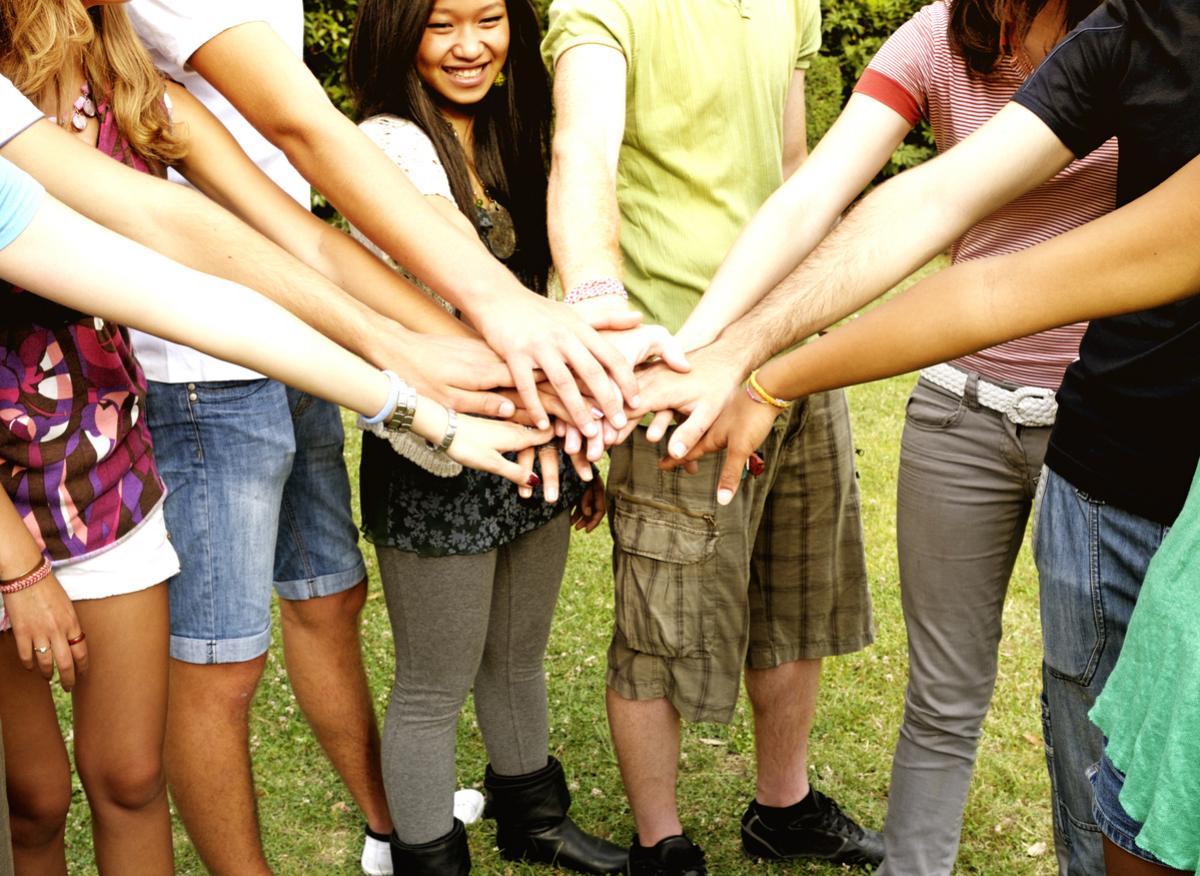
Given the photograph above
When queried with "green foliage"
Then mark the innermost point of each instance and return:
(853, 30)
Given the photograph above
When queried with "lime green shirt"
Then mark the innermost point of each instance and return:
(703, 145)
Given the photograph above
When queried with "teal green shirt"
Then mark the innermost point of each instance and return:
(703, 145)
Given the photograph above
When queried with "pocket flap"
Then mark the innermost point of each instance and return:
(662, 533)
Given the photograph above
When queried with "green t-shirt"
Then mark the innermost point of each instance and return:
(703, 145)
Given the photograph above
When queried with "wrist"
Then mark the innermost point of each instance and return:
(33, 576)
(607, 289)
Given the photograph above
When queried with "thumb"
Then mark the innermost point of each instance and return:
(671, 352)
(615, 320)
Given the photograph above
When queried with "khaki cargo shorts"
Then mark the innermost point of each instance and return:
(777, 575)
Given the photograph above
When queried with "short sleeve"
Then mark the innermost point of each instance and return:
(899, 76)
(20, 197)
(808, 32)
(16, 112)
(411, 149)
(1075, 90)
(583, 22)
(174, 29)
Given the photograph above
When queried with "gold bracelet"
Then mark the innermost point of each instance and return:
(765, 397)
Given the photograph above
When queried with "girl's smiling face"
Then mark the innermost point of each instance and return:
(463, 49)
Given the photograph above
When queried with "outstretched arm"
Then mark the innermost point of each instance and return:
(1138, 257)
(271, 87)
(193, 230)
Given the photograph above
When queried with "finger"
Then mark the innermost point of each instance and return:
(671, 352)
(615, 320)
(563, 381)
(65, 661)
(731, 475)
(691, 466)
(548, 459)
(582, 466)
(521, 369)
(79, 651)
(595, 447)
(525, 460)
(659, 425)
(45, 659)
(593, 373)
(693, 428)
(572, 441)
(24, 650)
(484, 404)
(506, 469)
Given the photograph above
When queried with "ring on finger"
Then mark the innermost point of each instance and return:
(45, 649)
(75, 640)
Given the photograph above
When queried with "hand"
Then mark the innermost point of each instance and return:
(548, 461)
(42, 616)
(589, 510)
(740, 428)
(453, 371)
(533, 332)
(639, 344)
(701, 393)
(480, 444)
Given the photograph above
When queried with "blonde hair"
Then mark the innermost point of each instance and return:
(39, 40)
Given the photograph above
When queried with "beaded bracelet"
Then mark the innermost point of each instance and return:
(597, 288)
(38, 573)
(757, 393)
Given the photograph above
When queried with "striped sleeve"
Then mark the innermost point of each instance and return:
(900, 74)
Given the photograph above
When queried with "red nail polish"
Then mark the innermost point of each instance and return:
(757, 465)
(534, 480)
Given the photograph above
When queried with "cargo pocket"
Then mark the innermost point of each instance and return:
(660, 562)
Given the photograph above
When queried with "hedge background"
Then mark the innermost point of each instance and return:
(853, 31)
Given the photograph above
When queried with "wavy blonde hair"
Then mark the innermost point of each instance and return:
(39, 40)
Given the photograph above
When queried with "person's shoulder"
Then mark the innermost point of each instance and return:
(396, 130)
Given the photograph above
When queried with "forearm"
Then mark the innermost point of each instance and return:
(798, 215)
(1139, 257)
(19, 553)
(584, 219)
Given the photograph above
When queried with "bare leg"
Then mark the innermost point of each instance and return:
(1118, 862)
(784, 700)
(120, 721)
(208, 762)
(39, 775)
(646, 736)
(324, 661)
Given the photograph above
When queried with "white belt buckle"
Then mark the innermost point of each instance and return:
(1039, 406)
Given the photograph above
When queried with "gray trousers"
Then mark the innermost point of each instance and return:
(967, 481)
(6, 861)
(458, 621)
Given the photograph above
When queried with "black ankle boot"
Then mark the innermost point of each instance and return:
(532, 823)
(445, 856)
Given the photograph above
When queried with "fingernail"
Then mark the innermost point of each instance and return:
(619, 420)
(507, 409)
(635, 402)
(551, 496)
(724, 497)
(591, 430)
(543, 423)
(586, 476)
(524, 492)
(597, 413)
(534, 480)
(678, 450)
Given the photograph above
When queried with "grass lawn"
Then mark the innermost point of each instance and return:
(311, 827)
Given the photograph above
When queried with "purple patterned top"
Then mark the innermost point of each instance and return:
(75, 451)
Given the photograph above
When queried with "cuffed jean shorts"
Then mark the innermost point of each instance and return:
(258, 497)
(1116, 824)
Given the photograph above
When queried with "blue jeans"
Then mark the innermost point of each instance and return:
(1091, 558)
(258, 493)
(1116, 824)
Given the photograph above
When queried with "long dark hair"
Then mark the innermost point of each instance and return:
(983, 31)
(511, 128)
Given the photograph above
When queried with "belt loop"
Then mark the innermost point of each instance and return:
(971, 391)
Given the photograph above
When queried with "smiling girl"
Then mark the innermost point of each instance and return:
(454, 92)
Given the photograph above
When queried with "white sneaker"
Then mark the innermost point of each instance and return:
(376, 855)
(468, 805)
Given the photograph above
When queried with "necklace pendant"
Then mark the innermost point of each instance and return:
(78, 121)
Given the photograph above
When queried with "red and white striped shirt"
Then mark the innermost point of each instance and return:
(918, 75)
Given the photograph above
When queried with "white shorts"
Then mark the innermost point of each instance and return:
(140, 560)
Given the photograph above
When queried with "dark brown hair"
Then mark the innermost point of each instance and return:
(511, 128)
(982, 32)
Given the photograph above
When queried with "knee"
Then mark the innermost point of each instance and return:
(222, 691)
(131, 782)
(38, 817)
(325, 613)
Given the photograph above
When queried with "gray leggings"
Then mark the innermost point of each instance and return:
(482, 619)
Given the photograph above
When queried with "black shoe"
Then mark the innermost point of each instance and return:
(532, 823)
(813, 828)
(445, 856)
(673, 856)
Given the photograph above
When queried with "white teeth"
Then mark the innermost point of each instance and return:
(464, 74)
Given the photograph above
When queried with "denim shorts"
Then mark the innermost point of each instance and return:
(258, 495)
(1116, 824)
